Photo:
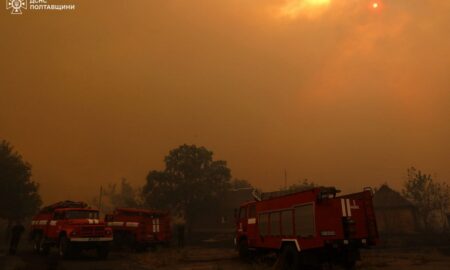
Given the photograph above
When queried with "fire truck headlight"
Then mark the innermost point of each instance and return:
(73, 233)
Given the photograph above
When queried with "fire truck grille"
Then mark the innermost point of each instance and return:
(92, 231)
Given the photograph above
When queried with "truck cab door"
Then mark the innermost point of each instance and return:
(251, 224)
(53, 224)
(147, 226)
(242, 220)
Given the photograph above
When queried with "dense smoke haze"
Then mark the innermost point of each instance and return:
(338, 92)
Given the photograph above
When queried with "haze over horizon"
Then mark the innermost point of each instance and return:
(337, 92)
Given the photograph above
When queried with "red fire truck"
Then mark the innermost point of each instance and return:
(308, 228)
(140, 228)
(71, 227)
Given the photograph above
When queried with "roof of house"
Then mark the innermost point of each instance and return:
(385, 197)
(63, 204)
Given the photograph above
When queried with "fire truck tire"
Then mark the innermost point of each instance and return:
(244, 253)
(350, 258)
(37, 242)
(39, 245)
(289, 258)
(64, 249)
(44, 249)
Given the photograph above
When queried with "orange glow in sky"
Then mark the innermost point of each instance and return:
(308, 8)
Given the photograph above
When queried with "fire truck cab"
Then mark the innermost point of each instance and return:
(313, 227)
(140, 228)
(71, 227)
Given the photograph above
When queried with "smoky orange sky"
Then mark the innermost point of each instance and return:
(333, 91)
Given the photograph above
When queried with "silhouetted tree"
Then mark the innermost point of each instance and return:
(302, 185)
(191, 179)
(19, 197)
(427, 195)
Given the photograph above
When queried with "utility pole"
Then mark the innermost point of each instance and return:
(100, 199)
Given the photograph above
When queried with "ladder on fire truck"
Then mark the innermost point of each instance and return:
(64, 204)
(325, 192)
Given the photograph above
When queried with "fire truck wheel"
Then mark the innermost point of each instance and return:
(289, 258)
(350, 258)
(64, 247)
(44, 249)
(37, 242)
(244, 253)
(39, 245)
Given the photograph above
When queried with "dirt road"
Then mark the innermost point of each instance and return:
(201, 258)
(179, 259)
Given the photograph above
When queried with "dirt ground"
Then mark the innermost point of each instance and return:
(203, 258)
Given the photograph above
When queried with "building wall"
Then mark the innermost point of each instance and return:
(396, 220)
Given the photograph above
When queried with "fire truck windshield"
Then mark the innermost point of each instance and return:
(82, 214)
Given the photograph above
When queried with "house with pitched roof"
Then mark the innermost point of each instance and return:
(394, 213)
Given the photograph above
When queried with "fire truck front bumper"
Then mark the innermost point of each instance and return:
(90, 239)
